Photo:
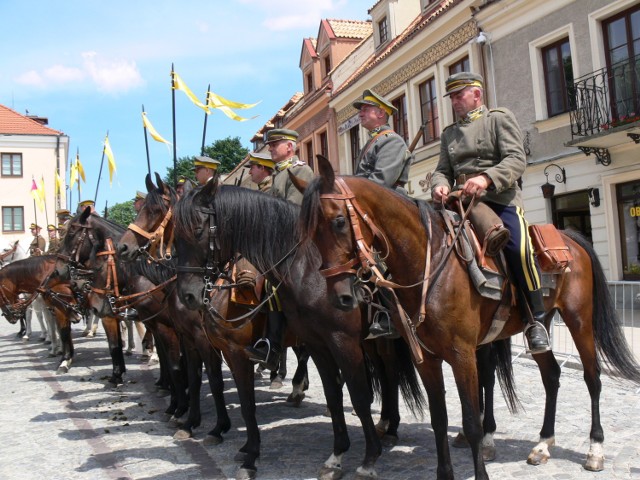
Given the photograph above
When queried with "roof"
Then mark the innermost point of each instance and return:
(13, 123)
(419, 24)
(272, 121)
(357, 29)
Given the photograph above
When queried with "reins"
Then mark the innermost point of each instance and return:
(155, 239)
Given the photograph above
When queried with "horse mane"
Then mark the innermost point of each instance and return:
(260, 226)
(155, 199)
(157, 271)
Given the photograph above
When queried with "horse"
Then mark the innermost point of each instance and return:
(215, 223)
(445, 317)
(32, 277)
(151, 290)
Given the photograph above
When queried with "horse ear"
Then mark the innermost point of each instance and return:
(326, 173)
(299, 183)
(210, 187)
(85, 214)
(159, 182)
(149, 183)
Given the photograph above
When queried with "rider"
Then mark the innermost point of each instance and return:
(87, 203)
(282, 146)
(261, 167)
(38, 243)
(138, 200)
(54, 243)
(385, 160)
(483, 152)
(205, 169)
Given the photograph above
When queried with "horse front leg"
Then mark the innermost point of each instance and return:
(550, 373)
(194, 375)
(112, 330)
(300, 380)
(430, 372)
(64, 327)
(216, 385)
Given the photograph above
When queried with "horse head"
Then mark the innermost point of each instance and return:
(152, 230)
(197, 248)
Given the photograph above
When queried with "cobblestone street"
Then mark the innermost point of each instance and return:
(76, 426)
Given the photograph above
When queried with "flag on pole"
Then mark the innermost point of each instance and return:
(80, 169)
(152, 131)
(216, 100)
(59, 184)
(111, 161)
(35, 193)
(213, 101)
(178, 84)
(41, 189)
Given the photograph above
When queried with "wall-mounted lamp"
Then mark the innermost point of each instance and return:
(548, 188)
(594, 197)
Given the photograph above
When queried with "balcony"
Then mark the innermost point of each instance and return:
(605, 109)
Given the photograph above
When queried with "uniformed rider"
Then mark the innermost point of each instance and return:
(38, 243)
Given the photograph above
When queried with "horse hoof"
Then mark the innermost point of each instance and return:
(211, 440)
(460, 441)
(537, 458)
(62, 370)
(489, 454)
(330, 473)
(365, 474)
(295, 401)
(594, 463)
(389, 440)
(182, 435)
(246, 474)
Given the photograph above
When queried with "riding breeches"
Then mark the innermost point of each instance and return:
(518, 251)
(274, 301)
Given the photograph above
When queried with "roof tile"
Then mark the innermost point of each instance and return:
(13, 123)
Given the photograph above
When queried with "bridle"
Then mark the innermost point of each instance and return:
(120, 303)
(155, 238)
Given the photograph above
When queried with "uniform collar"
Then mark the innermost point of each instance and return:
(473, 115)
(376, 131)
(288, 163)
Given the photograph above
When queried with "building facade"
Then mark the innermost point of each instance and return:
(30, 152)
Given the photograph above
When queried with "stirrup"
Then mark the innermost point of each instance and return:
(378, 331)
(547, 339)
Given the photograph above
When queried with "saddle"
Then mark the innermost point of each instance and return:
(480, 239)
(250, 284)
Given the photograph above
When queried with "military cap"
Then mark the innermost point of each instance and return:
(34, 226)
(51, 228)
(263, 159)
(61, 226)
(281, 134)
(462, 80)
(206, 162)
(140, 195)
(369, 97)
(87, 203)
(63, 212)
(182, 179)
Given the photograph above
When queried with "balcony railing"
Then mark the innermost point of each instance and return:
(606, 99)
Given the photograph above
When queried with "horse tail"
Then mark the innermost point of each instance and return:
(410, 385)
(501, 358)
(607, 331)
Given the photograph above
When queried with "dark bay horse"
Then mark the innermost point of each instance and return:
(213, 224)
(412, 238)
(159, 310)
(33, 276)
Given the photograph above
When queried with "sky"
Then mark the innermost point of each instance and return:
(89, 67)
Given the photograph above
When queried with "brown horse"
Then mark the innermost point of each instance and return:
(412, 238)
(213, 224)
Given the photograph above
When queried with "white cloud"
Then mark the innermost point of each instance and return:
(59, 74)
(31, 78)
(112, 76)
(282, 15)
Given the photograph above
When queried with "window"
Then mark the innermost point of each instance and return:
(12, 219)
(309, 82)
(628, 199)
(558, 76)
(622, 46)
(308, 147)
(324, 145)
(354, 141)
(400, 119)
(429, 110)
(571, 212)
(383, 30)
(461, 65)
(327, 65)
(11, 164)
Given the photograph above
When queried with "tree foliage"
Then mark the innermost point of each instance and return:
(122, 213)
(228, 151)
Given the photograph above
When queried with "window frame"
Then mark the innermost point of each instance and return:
(383, 30)
(354, 142)
(400, 119)
(433, 126)
(557, 46)
(12, 162)
(13, 210)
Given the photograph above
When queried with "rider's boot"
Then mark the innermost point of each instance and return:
(535, 330)
(267, 350)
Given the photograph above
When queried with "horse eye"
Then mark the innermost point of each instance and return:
(339, 222)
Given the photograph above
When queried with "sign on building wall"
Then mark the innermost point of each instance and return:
(348, 125)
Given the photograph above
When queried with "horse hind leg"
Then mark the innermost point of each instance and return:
(300, 380)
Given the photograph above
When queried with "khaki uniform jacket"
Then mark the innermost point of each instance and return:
(37, 246)
(490, 144)
(385, 159)
(283, 186)
(54, 245)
